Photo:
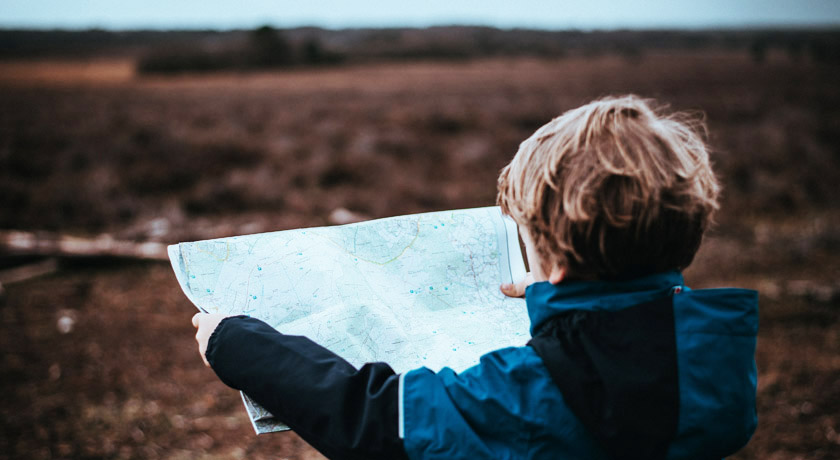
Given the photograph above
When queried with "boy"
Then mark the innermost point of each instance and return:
(612, 200)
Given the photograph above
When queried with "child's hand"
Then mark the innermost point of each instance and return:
(205, 323)
(518, 289)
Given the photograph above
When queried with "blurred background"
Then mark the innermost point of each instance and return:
(125, 126)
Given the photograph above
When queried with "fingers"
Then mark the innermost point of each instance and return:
(200, 336)
(205, 324)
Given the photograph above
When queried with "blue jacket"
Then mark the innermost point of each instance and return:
(508, 406)
(645, 368)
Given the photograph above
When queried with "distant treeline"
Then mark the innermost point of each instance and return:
(263, 48)
(266, 47)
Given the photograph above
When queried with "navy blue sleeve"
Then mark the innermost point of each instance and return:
(344, 412)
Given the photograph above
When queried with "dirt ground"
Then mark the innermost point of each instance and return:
(98, 359)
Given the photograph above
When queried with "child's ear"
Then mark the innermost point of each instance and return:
(557, 275)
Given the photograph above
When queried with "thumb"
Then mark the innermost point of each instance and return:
(196, 319)
(517, 289)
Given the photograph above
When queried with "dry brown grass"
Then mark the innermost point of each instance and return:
(89, 147)
(66, 72)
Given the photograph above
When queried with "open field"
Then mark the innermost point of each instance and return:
(87, 147)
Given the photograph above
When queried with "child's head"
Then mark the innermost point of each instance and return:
(613, 189)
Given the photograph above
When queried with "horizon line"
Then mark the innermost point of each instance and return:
(755, 26)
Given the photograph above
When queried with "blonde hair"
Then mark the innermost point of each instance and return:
(613, 189)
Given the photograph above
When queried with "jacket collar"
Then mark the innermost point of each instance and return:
(545, 300)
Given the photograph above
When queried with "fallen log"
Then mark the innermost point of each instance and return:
(28, 271)
(14, 242)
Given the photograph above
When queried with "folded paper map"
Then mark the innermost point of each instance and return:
(412, 291)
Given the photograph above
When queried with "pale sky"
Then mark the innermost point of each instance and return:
(592, 14)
